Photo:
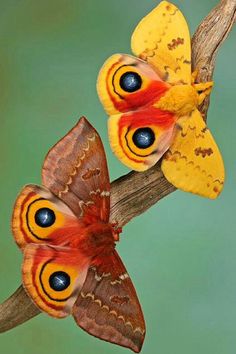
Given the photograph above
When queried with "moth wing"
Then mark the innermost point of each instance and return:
(40, 217)
(108, 307)
(162, 39)
(194, 163)
(126, 131)
(139, 133)
(126, 83)
(75, 170)
(53, 276)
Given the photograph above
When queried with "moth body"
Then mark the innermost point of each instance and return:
(96, 240)
(179, 99)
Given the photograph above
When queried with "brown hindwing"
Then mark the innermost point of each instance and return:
(108, 307)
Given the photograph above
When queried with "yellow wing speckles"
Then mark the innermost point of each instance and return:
(162, 39)
(193, 162)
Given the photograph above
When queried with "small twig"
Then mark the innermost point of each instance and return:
(134, 193)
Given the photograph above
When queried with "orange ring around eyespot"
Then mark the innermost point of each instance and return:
(34, 231)
(43, 273)
(116, 75)
(40, 262)
(132, 149)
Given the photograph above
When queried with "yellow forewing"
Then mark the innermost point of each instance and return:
(194, 163)
(162, 39)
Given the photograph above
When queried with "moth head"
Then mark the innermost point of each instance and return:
(126, 83)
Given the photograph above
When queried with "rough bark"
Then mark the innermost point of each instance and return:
(134, 193)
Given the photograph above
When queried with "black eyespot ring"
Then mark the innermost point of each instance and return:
(59, 281)
(143, 138)
(45, 217)
(130, 81)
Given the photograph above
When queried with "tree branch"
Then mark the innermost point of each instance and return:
(134, 193)
(207, 39)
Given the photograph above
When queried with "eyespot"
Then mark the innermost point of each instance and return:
(130, 81)
(45, 217)
(59, 280)
(143, 138)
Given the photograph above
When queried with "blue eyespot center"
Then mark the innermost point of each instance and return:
(59, 281)
(45, 217)
(130, 81)
(143, 138)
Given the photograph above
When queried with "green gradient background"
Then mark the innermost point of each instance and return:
(181, 254)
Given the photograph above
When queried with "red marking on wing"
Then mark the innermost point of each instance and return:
(143, 97)
(43, 299)
(148, 96)
(145, 118)
(149, 116)
(28, 197)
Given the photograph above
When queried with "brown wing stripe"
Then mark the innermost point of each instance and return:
(102, 322)
(113, 312)
(108, 307)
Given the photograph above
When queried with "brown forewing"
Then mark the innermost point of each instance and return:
(108, 307)
(75, 170)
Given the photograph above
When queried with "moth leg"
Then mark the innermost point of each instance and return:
(203, 89)
(116, 231)
(194, 76)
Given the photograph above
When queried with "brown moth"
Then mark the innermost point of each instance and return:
(70, 263)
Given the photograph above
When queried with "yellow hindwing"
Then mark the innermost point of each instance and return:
(194, 163)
